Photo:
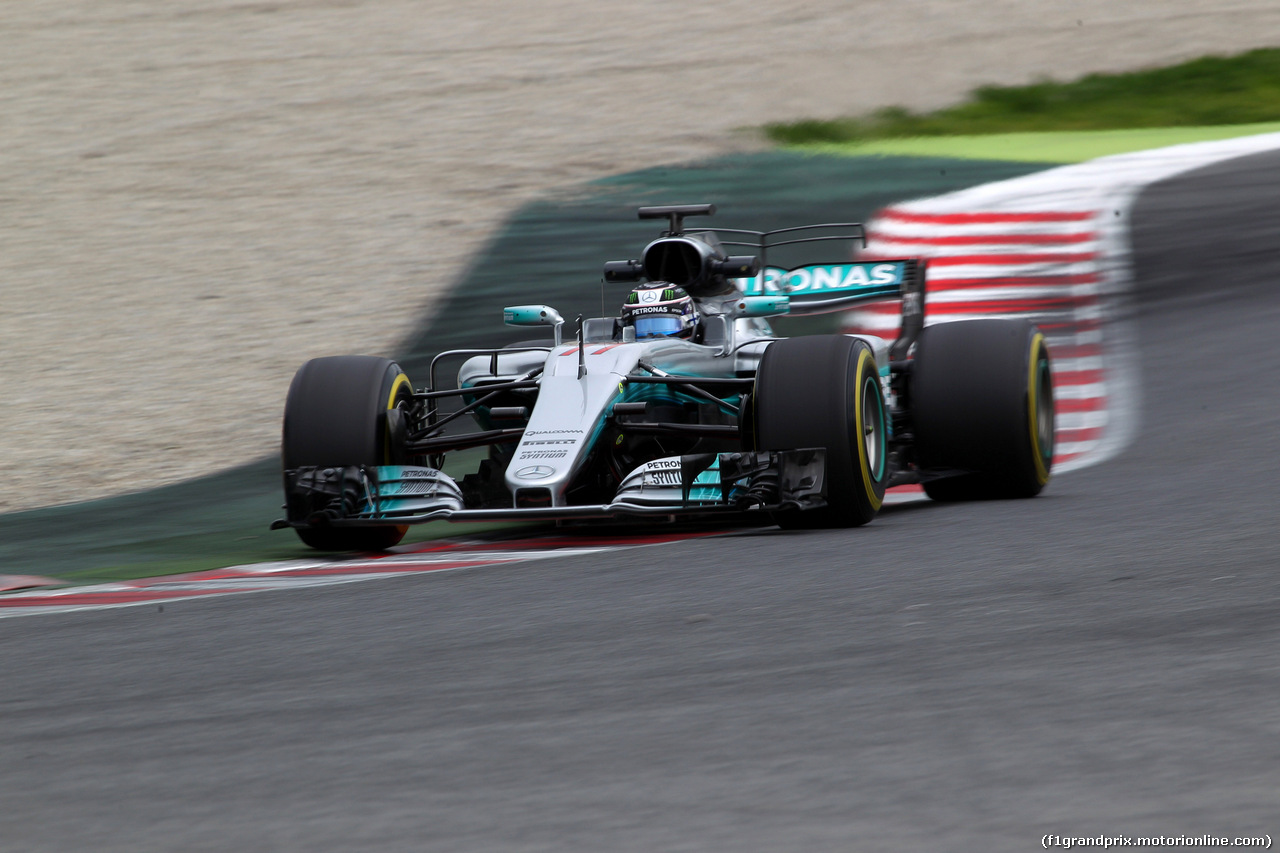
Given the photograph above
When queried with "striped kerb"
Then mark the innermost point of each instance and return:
(1042, 265)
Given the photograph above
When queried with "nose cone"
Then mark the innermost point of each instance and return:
(568, 417)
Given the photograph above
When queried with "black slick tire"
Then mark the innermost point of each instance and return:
(982, 405)
(334, 416)
(824, 391)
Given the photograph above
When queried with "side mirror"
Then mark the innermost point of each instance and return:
(761, 306)
(534, 315)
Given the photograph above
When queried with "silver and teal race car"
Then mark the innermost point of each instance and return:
(686, 404)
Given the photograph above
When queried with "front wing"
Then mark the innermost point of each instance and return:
(680, 486)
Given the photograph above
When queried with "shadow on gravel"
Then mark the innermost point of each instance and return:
(551, 252)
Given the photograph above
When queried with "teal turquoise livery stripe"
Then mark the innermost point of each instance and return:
(827, 279)
(706, 486)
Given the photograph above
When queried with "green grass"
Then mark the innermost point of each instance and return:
(1236, 90)
(1064, 146)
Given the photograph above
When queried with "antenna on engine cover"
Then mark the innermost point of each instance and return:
(676, 213)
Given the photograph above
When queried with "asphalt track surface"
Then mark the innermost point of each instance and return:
(1103, 659)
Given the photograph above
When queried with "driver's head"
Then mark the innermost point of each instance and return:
(660, 309)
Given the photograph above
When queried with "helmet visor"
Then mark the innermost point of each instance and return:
(654, 326)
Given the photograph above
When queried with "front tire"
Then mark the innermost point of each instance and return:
(824, 391)
(335, 416)
(982, 405)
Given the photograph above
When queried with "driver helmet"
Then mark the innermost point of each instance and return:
(660, 309)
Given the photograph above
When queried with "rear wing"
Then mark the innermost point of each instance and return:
(816, 288)
(820, 288)
(697, 258)
(824, 288)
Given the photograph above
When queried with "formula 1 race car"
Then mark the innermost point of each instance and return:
(684, 405)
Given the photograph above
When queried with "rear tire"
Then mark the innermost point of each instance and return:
(982, 403)
(824, 391)
(335, 416)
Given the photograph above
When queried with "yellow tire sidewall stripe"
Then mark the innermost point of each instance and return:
(865, 361)
(400, 380)
(1033, 408)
